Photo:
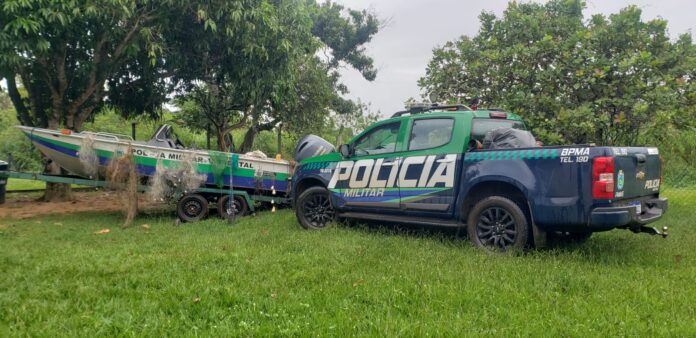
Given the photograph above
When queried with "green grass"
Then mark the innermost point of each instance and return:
(14, 184)
(266, 276)
(18, 184)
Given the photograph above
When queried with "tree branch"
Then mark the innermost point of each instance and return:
(16, 98)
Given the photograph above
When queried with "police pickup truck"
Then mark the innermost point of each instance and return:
(423, 166)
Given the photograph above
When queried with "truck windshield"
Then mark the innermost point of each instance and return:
(481, 127)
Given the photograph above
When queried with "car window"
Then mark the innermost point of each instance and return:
(379, 140)
(481, 127)
(430, 133)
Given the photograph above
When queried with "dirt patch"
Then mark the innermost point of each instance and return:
(26, 206)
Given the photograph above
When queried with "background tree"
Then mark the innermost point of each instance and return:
(269, 69)
(603, 80)
(67, 55)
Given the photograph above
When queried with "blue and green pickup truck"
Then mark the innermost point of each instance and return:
(427, 166)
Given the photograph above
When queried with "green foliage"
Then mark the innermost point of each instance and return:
(14, 145)
(70, 54)
(678, 151)
(264, 71)
(606, 80)
(111, 120)
(265, 276)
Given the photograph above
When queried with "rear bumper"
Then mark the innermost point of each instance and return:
(606, 218)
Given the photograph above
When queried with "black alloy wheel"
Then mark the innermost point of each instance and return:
(313, 208)
(498, 224)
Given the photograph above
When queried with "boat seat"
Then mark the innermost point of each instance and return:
(164, 137)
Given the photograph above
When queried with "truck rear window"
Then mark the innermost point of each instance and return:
(481, 127)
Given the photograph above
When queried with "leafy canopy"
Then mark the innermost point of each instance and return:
(608, 80)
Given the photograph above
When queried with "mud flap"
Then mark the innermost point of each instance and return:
(539, 238)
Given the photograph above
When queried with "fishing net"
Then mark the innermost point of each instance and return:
(219, 164)
(175, 178)
(122, 176)
(88, 157)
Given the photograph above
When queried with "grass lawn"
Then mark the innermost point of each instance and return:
(266, 276)
(20, 184)
(17, 184)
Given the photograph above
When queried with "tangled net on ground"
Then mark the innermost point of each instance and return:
(122, 176)
(88, 157)
(175, 178)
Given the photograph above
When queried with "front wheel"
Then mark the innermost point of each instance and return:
(313, 208)
(498, 224)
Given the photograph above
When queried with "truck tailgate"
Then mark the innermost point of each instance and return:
(637, 172)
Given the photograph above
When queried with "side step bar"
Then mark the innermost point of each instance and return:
(402, 219)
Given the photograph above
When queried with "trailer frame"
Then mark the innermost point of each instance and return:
(66, 179)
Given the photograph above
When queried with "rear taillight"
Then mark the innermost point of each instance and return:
(603, 177)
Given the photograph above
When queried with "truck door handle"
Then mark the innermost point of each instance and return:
(445, 160)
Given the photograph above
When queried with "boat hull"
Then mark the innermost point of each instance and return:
(220, 169)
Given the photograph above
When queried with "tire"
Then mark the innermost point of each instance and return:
(239, 206)
(192, 208)
(313, 208)
(497, 224)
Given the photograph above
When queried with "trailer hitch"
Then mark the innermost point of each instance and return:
(653, 231)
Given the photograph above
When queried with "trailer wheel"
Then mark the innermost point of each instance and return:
(192, 208)
(237, 207)
(498, 224)
(313, 208)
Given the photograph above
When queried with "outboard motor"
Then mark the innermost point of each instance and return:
(312, 145)
(165, 137)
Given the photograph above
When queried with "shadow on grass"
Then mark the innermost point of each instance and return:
(597, 249)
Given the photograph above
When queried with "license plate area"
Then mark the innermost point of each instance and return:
(637, 205)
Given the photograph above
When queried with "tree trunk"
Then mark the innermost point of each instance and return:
(55, 192)
(339, 136)
(251, 133)
(249, 139)
(221, 139)
(280, 139)
(22, 112)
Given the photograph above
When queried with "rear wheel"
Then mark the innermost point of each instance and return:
(498, 224)
(237, 206)
(192, 208)
(313, 208)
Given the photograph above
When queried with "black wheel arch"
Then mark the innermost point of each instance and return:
(304, 184)
(485, 189)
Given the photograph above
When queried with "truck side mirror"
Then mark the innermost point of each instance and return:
(345, 150)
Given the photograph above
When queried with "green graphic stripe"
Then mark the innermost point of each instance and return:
(529, 154)
(152, 162)
(316, 165)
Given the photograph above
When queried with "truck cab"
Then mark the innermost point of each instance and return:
(426, 166)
